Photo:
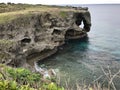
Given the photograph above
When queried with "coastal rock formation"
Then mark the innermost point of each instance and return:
(36, 36)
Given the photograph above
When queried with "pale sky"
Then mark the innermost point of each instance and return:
(63, 1)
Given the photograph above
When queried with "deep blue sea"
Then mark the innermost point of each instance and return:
(81, 60)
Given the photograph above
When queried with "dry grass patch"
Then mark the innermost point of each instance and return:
(8, 16)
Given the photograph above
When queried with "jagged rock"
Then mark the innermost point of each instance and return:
(38, 36)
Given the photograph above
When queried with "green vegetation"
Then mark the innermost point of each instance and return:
(6, 42)
(12, 85)
(11, 11)
(23, 79)
(3, 57)
(4, 46)
(13, 7)
(63, 14)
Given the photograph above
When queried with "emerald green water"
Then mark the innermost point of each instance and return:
(82, 60)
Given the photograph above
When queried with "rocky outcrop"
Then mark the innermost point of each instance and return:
(37, 36)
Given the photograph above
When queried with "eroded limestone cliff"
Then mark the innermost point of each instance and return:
(38, 35)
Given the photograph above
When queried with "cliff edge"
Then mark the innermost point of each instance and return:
(34, 34)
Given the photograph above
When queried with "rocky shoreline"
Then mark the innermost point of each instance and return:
(36, 36)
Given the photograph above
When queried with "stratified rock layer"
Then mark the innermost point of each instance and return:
(37, 36)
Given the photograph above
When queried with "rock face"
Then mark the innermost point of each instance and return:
(38, 35)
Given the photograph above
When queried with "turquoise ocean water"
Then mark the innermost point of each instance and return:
(81, 60)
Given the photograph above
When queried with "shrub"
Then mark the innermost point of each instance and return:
(22, 75)
(23, 79)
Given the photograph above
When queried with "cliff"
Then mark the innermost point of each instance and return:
(34, 34)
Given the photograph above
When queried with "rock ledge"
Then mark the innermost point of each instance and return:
(37, 36)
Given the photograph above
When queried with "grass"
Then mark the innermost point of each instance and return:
(3, 57)
(5, 44)
(7, 16)
(63, 14)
